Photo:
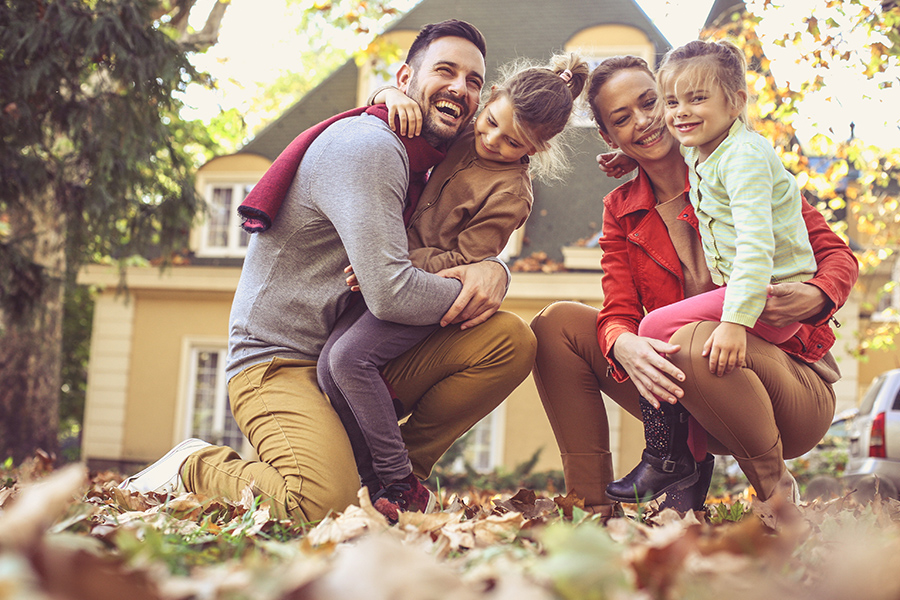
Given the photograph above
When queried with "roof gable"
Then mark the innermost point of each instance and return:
(538, 29)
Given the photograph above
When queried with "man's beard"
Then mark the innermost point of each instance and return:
(434, 132)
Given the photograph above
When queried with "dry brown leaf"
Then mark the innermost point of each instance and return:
(527, 503)
(380, 567)
(23, 522)
(660, 567)
(427, 523)
(568, 503)
(349, 525)
(68, 568)
(478, 533)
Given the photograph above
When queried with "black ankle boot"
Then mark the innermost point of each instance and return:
(692, 497)
(666, 464)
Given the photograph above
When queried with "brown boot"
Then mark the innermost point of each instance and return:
(780, 510)
(587, 475)
(765, 471)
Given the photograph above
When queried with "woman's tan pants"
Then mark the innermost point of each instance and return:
(772, 409)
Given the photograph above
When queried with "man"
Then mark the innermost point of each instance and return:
(345, 207)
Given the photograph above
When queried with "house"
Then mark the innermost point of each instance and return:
(156, 374)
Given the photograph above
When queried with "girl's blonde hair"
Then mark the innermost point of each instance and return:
(700, 64)
(542, 99)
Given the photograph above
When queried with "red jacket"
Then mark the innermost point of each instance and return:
(641, 270)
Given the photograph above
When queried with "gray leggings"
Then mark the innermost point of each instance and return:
(349, 372)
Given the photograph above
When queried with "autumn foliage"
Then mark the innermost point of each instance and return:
(67, 535)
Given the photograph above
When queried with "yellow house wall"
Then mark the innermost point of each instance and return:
(136, 419)
(608, 35)
(235, 163)
(161, 321)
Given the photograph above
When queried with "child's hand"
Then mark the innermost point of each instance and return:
(726, 348)
(616, 163)
(404, 109)
(352, 281)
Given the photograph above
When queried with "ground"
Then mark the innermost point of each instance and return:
(68, 533)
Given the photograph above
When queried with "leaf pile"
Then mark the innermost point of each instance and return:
(65, 535)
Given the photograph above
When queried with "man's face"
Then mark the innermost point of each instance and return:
(446, 81)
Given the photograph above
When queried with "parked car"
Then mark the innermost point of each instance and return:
(875, 432)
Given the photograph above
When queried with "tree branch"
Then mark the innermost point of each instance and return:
(209, 35)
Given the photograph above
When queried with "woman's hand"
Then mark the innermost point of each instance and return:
(726, 348)
(616, 164)
(650, 372)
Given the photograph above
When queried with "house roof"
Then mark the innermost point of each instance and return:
(722, 9)
(528, 28)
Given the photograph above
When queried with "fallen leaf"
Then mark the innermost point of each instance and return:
(38, 505)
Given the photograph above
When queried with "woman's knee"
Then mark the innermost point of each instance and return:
(691, 338)
(552, 318)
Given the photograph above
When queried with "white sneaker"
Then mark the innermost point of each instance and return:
(164, 476)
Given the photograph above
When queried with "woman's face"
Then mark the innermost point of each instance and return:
(626, 103)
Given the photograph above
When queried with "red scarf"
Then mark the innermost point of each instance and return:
(261, 205)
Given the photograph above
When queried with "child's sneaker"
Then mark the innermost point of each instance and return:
(164, 476)
(406, 495)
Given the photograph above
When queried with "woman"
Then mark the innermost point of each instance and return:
(776, 407)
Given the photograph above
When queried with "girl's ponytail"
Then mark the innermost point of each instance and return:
(577, 69)
(542, 100)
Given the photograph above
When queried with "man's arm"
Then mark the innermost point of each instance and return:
(358, 182)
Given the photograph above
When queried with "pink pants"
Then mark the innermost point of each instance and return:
(662, 323)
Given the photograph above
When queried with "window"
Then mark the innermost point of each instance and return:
(482, 446)
(209, 412)
(385, 56)
(603, 41)
(221, 233)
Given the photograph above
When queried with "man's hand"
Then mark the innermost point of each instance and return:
(726, 348)
(484, 286)
(792, 302)
(650, 372)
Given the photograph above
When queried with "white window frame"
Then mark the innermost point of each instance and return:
(236, 237)
(487, 458)
(236, 245)
(192, 346)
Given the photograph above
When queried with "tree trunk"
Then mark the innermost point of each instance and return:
(31, 338)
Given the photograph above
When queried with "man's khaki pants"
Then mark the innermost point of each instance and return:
(447, 383)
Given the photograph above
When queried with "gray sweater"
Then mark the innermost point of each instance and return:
(344, 207)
